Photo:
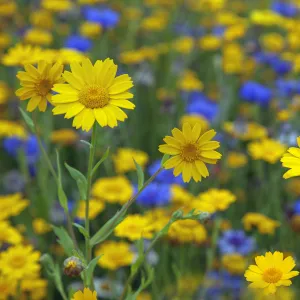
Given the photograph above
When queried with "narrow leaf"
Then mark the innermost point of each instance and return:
(86, 143)
(164, 159)
(81, 230)
(103, 158)
(140, 174)
(64, 240)
(27, 120)
(63, 200)
(90, 269)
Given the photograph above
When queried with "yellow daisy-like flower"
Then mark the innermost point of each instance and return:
(7, 287)
(96, 207)
(87, 294)
(271, 271)
(93, 93)
(20, 262)
(12, 205)
(115, 255)
(9, 128)
(190, 149)
(291, 160)
(40, 226)
(234, 263)
(37, 84)
(64, 136)
(9, 234)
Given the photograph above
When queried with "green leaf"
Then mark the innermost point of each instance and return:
(103, 158)
(64, 240)
(164, 159)
(140, 174)
(80, 255)
(48, 263)
(27, 120)
(63, 200)
(86, 143)
(106, 230)
(90, 269)
(81, 230)
(80, 180)
(136, 265)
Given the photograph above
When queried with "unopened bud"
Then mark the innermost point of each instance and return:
(73, 266)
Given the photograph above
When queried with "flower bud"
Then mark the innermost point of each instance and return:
(73, 266)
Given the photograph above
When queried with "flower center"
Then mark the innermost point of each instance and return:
(94, 96)
(43, 87)
(272, 275)
(18, 261)
(189, 152)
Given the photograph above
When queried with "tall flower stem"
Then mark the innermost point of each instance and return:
(89, 176)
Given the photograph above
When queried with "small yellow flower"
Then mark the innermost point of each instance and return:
(190, 149)
(180, 196)
(268, 150)
(210, 43)
(68, 56)
(135, 227)
(117, 189)
(9, 128)
(87, 294)
(236, 159)
(272, 42)
(123, 159)
(95, 208)
(35, 289)
(115, 255)
(4, 92)
(40, 226)
(7, 8)
(131, 57)
(184, 44)
(42, 19)
(20, 262)
(93, 93)
(36, 36)
(190, 82)
(9, 234)
(194, 119)
(64, 136)
(291, 160)
(265, 18)
(57, 5)
(90, 29)
(7, 287)
(234, 263)
(37, 84)
(5, 40)
(12, 205)
(187, 231)
(271, 271)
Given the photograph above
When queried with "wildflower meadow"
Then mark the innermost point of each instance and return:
(149, 149)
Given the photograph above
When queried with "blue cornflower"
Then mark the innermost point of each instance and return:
(256, 93)
(285, 8)
(79, 43)
(155, 194)
(281, 66)
(218, 31)
(296, 207)
(265, 58)
(106, 17)
(165, 176)
(287, 88)
(198, 103)
(236, 241)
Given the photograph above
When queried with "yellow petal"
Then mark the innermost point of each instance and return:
(33, 103)
(122, 103)
(88, 119)
(100, 116)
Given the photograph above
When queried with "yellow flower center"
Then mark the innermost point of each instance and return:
(94, 96)
(18, 261)
(189, 152)
(44, 87)
(272, 275)
(71, 264)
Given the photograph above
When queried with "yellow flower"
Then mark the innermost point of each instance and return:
(37, 84)
(264, 224)
(271, 271)
(93, 93)
(193, 119)
(210, 43)
(35, 289)
(191, 150)
(57, 5)
(156, 22)
(40, 226)
(12, 205)
(20, 55)
(184, 44)
(8, 287)
(234, 263)
(245, 132)
(282, 293)
(123, 159)
(68, 56)
(9, 234)
(20, 262)
(265, 18)
(42, 19)
(116, 189)
(5, 40)
(236, 159)
(219, 198)
(87, 294)
(135, 227)
(293, 186)
(187, 231)
(189, 82)
(90, 29)
(144, 296)
(268, 150)
(9, 128)
(96, 207)
(291, 160)
(131, 57)
(38, 36)
(64, 136)
(158, 217)
(180, 196)
(273, 42)
(4, 92)
(115, 255)
(200, 205)
(7, 8)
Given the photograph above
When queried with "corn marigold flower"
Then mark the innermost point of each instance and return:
(37, 84)
(4, 92)
(64, 136)
(19, 262)
(193, 119)
(57, 5)
(271, 271)
(189, 82)
(190, 149)
(291, 160)
(234, 263)
(36, 36)
(9, 235)
(93, 93)
(95, 208)
(35, 289)
(10, 128)
(135, 227)
(7, 287)
(115, 255)
(73, 266)
(87, 294)
(12, 205)
(236, 160)
(40, 226)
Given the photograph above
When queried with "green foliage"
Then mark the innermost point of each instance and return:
(64, 239)
(140, 175)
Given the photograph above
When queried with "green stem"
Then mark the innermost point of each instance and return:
(88, 191)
